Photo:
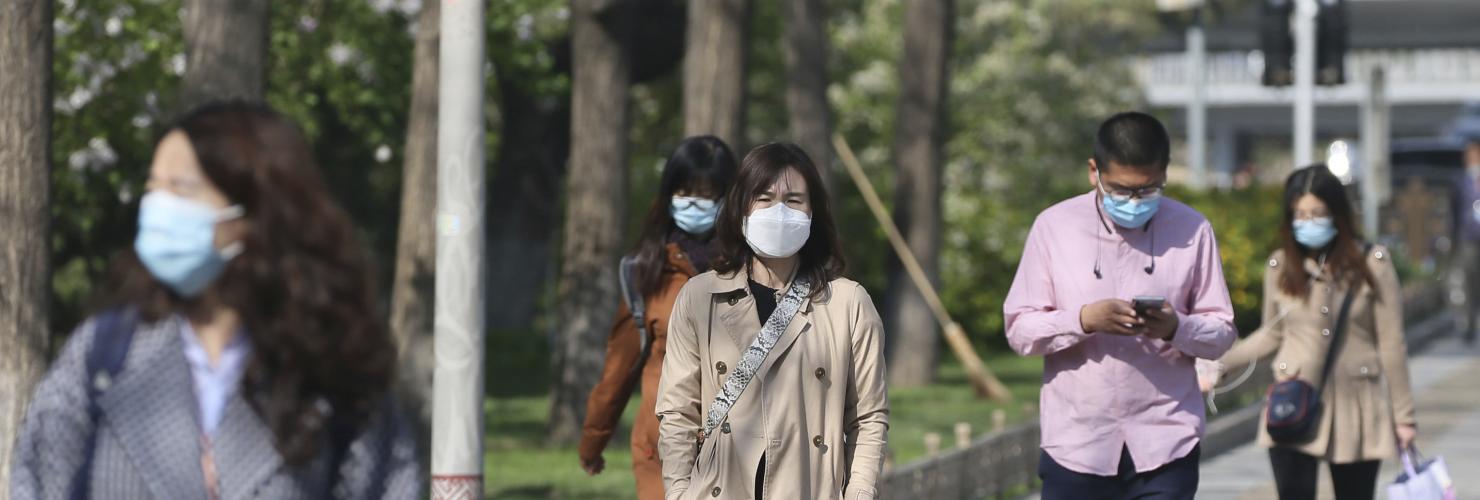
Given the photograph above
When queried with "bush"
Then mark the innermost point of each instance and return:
(1246, 222)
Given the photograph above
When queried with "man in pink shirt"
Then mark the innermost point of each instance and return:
(1121, 412)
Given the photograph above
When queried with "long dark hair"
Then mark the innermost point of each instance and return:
(301, 286)
(821, 257)
(1344, 254)
(698, 163)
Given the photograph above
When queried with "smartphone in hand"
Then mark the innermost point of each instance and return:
(1144, 304)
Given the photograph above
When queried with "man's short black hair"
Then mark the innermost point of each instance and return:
(1133, 139)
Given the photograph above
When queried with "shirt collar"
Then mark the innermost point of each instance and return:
(232, 355)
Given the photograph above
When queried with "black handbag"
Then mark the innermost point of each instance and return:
(1292, 408)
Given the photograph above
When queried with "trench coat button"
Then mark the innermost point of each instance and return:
(734, 300)
(714, 492)
(1325, 332)
(720, 367)
(1378, 254)
(725, 428)
(817, 441)
(821, 373)
(1274, 263)
(1283, 366)
(1364, 370)
(1325, 310)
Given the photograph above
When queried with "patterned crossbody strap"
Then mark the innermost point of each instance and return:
(756, 354)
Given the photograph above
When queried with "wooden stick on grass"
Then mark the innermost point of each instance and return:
(981, 378)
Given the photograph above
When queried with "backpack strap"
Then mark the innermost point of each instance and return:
(633, 297)
(113, 332)
(341, 435)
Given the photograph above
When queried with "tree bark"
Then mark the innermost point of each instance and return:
(918, 138)
(532, 158)
(714, 70)
(810, 118)
(225, 49)
(595, 217)
(413, 286)
(524, 214)
(25, 217)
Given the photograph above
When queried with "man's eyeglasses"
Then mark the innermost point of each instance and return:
(1123, 195)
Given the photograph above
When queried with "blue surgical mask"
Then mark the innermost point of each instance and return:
(1129, 213)
(177, 241)
(1314, 233)
(694, 215)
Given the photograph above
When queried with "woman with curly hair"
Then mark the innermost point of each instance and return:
(243, 356)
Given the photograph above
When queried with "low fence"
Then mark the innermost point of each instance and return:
(1004, 463)
(996, 465)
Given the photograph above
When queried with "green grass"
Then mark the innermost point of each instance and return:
(520, 465)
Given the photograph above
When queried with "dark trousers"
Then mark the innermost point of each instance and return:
(1468, 262)
(1295, 476)
(1174, 481)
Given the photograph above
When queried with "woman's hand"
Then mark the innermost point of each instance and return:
(1209, 372)
(1406, 435)
(594, 466)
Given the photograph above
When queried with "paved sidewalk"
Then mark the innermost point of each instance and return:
(1446, 378)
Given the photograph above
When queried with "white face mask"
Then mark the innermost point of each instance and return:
(778, 231)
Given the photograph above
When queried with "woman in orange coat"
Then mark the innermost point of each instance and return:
(675, 246)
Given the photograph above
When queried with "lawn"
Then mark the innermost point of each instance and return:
(519, 465)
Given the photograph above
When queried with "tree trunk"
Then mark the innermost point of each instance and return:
(918, 137)
(524, 211)
(226, 50)
(25, 217)
(413, 286)
(532, 158)
(714, 70)
(809, 115)
(595, 216)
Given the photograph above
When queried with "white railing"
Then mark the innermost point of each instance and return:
(1421, 66)
(1416, 76)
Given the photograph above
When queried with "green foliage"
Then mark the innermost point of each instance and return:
(116, 64)
(1246, 222)
(1030, 79)
(340, 68)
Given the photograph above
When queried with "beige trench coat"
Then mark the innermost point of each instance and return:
(1369, 390)
(817, 409)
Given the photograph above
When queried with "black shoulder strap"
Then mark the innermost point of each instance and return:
(113, 332)
(635, 305)
(342, 430)
(1339, 329)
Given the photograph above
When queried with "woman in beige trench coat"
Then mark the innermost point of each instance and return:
(1367, 404)
(812, 423)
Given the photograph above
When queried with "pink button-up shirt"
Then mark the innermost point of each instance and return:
(1105, 391)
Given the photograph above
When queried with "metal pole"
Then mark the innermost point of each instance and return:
(1197, 113)
(457, 411)
(1305, 81)
(1375, 181)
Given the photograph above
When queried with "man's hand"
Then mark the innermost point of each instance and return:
(594, 466)
(1162, 323)
(1113, 316)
